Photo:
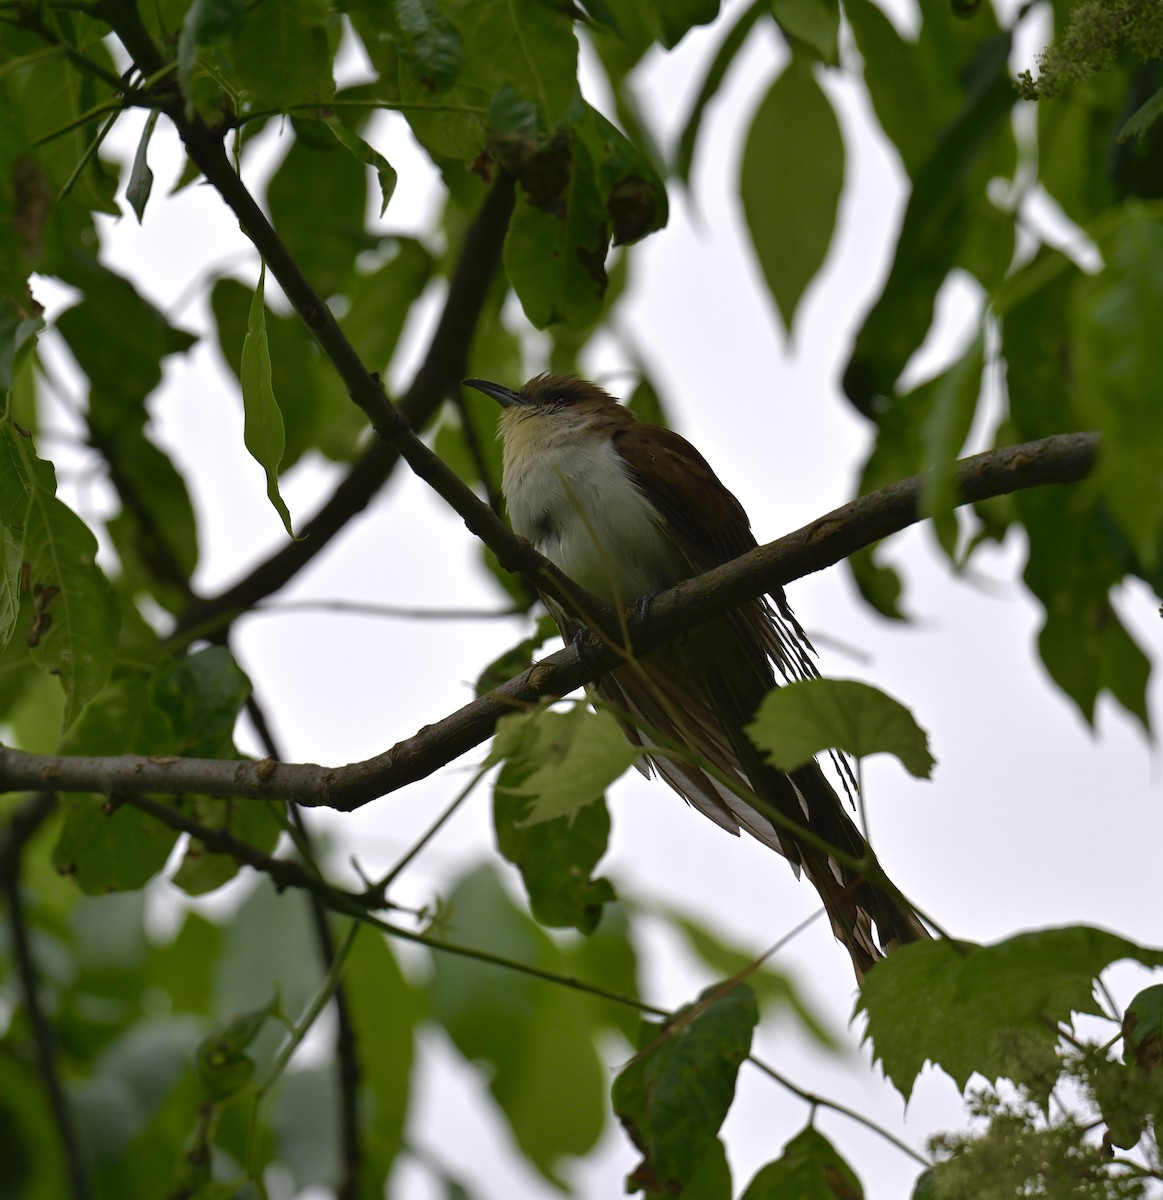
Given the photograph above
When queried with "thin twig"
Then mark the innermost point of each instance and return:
(823, 1102)
(327, 991)
(382, 885)
(346, 1052)
(367, 609)
(22, 826)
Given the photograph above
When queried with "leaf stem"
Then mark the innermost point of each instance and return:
(823, 1102)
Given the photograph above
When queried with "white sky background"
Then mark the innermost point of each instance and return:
(1030, 819)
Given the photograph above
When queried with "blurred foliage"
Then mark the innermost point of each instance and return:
(175, 1044)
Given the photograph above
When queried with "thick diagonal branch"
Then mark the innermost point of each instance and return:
(1063, 458)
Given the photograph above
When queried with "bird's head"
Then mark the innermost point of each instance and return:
(559, 402)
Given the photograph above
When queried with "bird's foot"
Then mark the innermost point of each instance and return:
(581, 643)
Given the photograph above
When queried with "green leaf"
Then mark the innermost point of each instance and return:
(431, 43)
(646, 404)
(630, 187)
(1143, 1028)
(556, 858)
(114, 848)
(119, 340)
(933, 230)
(561, 762)
(1075, 132)
(132, 1107)
(255, 822)
(11, 560)
(156, 538)
(1141, 120)
(946, 428)
(771, 987)
(18, 333)
(555, 248)
(535, 1039)
(262, 952)
(379, 303)
(712, 1177)
(879, 585)
(517, 658)
(896, 87)
(796, 722)
(1115, 318)
(281, 55)
(179, 967)
(374, 986)
(60, 179)
(318, 201)
(206, 23)
(790, 183)
(1074, 558)
(305, 1125)
(108, 850)
(989, 1009)
(263, 422)
(810, 1168)
(674, 1095)
(527, 46)
(317, 412)
(74, 631)
(729, 47)
(1077, 553)
(677, 17)
(813, 25)
(140, 176)
(362, 152)
(224, 1066)
(203, 695)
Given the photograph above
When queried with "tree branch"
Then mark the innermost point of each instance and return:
(1063, 458)
(346, 1054)
(365, 388)
(23, 825)
(441, 371)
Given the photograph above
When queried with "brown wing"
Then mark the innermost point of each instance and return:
(710, 527)
(720, 672)
(706, 521)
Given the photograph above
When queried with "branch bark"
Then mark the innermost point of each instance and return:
(1061, 459)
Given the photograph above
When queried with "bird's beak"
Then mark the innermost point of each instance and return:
(505, 397)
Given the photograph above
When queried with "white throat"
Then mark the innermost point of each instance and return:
(569, 493)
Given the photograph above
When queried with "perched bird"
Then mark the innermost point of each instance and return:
(628, 509)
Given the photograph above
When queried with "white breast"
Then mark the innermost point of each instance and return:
(570, 494)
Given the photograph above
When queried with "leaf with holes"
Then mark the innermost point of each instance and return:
(77, 615)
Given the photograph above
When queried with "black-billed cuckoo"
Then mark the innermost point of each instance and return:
(629, 509)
